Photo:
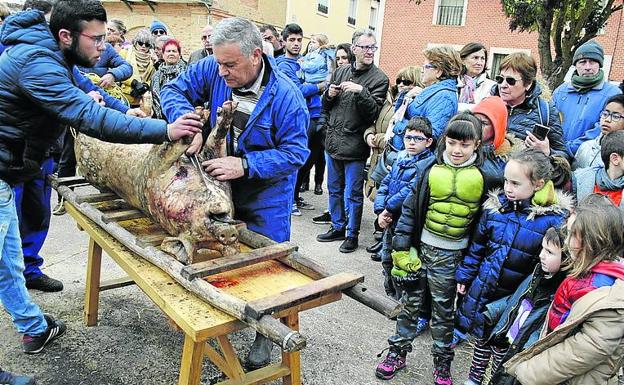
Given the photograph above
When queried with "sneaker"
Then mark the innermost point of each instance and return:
(458, 338)
(303, 205)
(393, 362)
(375, 247)
(442, 371)
(331, 235)
(36, 344)
(305, 186)
(45, 283)
(7, 378)
(295, 211)
(422, 324)
(318, 189)
(349, 245)
(59, 209)
(323, 219)
(376, 257)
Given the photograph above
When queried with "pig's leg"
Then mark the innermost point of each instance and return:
(180, 247)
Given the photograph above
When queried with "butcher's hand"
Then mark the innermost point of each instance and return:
(97, 97)
(226, 168)
(106, 81)
(186, 125)
(196, 145)
(137, 112)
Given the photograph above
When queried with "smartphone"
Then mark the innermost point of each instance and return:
(540, 131)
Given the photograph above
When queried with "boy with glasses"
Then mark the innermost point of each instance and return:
(395, 187)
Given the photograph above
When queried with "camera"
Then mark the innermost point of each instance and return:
(138, 88)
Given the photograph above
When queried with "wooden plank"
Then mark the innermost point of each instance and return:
(116, 283)
(236, 369)
(118, 204)
(218, 360)
(92, 289)
(71, 181)
(292, 297)
(292, 359)
(122, 215)
(152, 239)
(100, 197)
(192, 359)
(260, 376)
(219, 265)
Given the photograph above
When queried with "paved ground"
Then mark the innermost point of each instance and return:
(133, 344)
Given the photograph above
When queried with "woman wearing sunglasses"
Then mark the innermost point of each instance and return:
(474, 84)
(526, 108)
(139, 57)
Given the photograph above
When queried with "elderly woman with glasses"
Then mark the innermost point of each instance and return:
(139, 57)
(527, 110)
(474, 84)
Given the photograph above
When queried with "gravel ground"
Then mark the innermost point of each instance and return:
(134, 345)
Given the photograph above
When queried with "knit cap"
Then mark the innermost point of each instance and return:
(157, 25)
(590, 50)
(494, 108)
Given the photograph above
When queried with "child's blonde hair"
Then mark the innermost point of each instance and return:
(321, 38)
(598, 227)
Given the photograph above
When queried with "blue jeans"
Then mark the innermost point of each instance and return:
(32, 200)
(26, 315)
(345, 182)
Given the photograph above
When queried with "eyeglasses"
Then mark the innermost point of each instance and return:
(98, 40)
(615, 116)
(404, 81)
(414, 138)
(144, 44)
(371, 48)
(511, 81)
(204, 37)
(159, 32)
(428, 66)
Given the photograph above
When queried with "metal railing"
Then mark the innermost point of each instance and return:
(322, 8)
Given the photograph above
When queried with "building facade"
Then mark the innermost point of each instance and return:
(185, 19)
(408, 29)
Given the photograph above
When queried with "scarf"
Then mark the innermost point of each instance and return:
(605, 183)
(399, 114)
(583, 84)
(144, 64)
(466, 95)
(467, 163)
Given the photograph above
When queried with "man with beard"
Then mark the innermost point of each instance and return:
(201, 53)
(289, 65)
(40, 92)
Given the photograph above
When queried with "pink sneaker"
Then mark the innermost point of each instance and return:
(442, 371)
(393, 362)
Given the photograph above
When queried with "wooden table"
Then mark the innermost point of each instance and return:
(199, 321)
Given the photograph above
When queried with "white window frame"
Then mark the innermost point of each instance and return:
(321, 13)
(435, 15)
(374, 9)
(354, 13)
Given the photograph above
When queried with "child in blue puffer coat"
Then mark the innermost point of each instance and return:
(395, 187)
(506, 244)
(318, 63)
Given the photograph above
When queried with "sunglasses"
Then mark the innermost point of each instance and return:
(144, 44)
(511, 81)
(159, 32)
(414, 138)
(404, 81)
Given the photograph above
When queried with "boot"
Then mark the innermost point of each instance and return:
(442, 371)
(389, 284)
(260, 353)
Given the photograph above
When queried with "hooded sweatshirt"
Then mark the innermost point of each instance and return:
(572, 289)
(494, 108)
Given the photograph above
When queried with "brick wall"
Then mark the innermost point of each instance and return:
(408, 29)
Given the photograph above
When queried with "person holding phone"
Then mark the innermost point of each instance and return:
(526, 108)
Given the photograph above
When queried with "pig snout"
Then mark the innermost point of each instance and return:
(226, 235)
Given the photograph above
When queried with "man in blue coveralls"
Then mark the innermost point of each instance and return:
(267, 142)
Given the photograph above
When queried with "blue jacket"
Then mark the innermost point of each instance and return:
(579, 112)
(40, 93)
(274, 142)
(398, 183)
(503, 252)
(110, 62)
(438, 103)
(500, 314)
(292, 69)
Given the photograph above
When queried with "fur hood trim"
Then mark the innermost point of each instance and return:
(565, 204)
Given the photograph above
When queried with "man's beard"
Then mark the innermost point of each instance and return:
(75, 57)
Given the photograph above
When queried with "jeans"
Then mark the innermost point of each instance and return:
(26, 315)
(32, 200)
(303, 175)
(345, 182)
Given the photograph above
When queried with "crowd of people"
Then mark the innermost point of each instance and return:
(498, 203)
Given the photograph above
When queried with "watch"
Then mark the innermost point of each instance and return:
(245, 166)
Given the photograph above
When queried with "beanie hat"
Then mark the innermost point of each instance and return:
(590, 50)
(157, 25)
(494, 108)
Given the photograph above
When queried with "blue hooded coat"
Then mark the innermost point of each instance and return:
(292, 69)
(40, 93)
(110, 62)
(274, 141)
(503, 252)
(438, 103)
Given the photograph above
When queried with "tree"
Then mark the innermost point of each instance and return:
(562, 26)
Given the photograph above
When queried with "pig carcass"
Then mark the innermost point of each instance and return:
(164, 183)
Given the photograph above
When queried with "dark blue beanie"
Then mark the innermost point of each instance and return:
(589, 50)
(157, 25)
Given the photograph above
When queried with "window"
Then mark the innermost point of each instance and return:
(372, 22)
(450, 12)
(352, 12)
(497, 58)
(322, 6)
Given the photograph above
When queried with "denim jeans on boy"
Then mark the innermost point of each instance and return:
(32, 200)
(345, 182)
(26, 315)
